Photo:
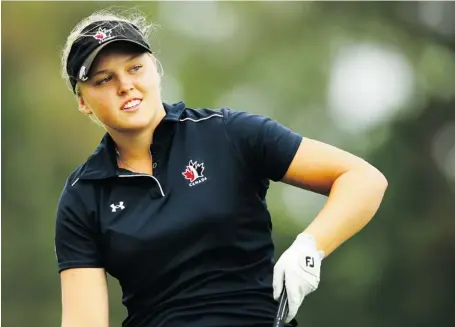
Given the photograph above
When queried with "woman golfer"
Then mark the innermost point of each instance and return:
(172, 201)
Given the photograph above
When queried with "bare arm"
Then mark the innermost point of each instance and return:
(84, 298)
(355, 189)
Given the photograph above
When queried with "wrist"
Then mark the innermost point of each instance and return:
(308, 241)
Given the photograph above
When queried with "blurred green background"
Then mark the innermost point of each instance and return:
(374, 78)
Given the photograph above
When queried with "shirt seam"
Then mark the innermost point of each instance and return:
(232, 143)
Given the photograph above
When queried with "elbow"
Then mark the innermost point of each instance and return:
(377, 180)
(373, 180)
(385, 182)
(381, 180)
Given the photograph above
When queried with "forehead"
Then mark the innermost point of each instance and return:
(117, 51)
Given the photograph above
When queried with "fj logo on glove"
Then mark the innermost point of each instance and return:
(309, 262)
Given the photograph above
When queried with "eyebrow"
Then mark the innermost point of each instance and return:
(102, 71)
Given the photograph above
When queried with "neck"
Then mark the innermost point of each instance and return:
(135, 145)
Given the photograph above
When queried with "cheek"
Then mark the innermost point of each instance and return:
(101, 103)
(150, 80)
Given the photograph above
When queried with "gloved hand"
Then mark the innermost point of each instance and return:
(299, 268)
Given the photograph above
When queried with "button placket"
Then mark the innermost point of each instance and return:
(155, 162)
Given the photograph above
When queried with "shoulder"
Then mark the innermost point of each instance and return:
(223, 115)
(203, 114)
(72, 189)
(74, 176)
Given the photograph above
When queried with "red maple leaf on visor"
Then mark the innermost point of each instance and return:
(100, 36)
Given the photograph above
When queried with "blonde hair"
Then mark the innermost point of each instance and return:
(132, 16)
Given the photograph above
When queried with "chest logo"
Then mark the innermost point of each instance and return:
(194, 173)
(120, 206)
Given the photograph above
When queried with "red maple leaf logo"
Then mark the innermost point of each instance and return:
(189, 174)
(103, 34)
(100, 36)
(194, 171)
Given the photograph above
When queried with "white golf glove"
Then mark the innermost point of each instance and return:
(298, 269)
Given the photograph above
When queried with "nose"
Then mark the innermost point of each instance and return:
(125, 85)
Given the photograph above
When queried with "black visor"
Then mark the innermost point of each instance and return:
(93, 39)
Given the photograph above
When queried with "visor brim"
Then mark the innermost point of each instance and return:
(88, 62)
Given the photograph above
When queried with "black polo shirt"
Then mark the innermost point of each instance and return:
(191, 245)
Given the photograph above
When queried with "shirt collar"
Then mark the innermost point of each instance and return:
(102, 163)
(173, 111)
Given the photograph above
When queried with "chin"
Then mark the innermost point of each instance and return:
(135, 123)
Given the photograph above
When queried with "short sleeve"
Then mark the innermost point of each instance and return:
(76, 243)
(268, 146)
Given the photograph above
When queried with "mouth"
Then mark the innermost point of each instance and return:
(131, 105)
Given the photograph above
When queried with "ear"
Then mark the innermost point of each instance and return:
(83, 107)
(159, 67)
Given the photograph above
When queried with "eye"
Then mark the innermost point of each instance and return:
(104, 80)
(136, 68)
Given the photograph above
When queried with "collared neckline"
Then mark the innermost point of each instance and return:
(102, 163)
(173, 111)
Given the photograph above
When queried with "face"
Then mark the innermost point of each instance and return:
(123, 90)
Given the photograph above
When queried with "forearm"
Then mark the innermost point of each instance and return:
(353, 200)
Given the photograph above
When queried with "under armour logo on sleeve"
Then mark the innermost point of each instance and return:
(117, 206)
